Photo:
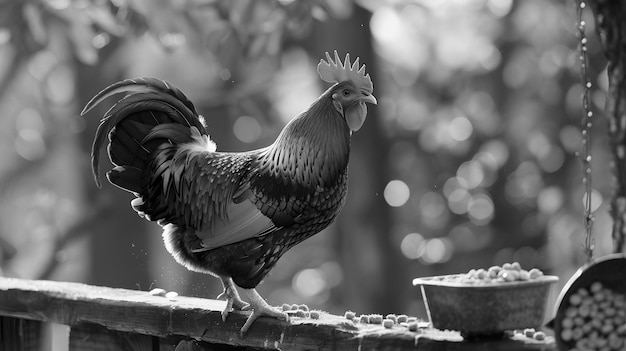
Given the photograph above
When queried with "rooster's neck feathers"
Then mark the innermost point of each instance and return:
(313, 148)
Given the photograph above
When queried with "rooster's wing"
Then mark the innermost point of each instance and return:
(211, 193)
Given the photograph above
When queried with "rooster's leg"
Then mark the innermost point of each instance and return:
(233, 300)
(260, 308)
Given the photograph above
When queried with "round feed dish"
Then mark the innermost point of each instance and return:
(609, 270)
(484, 308)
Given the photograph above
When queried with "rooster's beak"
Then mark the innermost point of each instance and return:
(369, 98)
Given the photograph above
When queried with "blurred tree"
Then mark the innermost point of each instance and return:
(363, 244)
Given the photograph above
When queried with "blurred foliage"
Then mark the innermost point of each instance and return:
(479, 102)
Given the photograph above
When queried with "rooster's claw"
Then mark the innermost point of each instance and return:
(260, 308)
(233, 300)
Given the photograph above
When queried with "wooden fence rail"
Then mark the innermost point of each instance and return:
(102, 318)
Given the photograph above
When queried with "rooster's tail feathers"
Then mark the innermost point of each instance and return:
(138, 85)
(152, 113)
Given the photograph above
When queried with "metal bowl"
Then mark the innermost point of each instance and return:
(485, 308)
(609, 270)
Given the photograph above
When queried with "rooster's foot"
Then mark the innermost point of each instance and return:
(233, 300)
(260, 308)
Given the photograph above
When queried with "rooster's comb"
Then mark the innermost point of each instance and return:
(337, 71)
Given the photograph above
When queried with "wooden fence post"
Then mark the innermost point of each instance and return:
(20, 334)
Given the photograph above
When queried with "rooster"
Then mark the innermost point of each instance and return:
(232, 214)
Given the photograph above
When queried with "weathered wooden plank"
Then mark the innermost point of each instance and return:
(93, 337)
(20, 334)
(200, 319)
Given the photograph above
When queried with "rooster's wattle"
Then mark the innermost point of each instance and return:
(232, 214)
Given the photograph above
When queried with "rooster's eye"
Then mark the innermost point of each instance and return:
(346, 92)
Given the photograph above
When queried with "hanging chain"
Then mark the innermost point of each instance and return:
(586, 131)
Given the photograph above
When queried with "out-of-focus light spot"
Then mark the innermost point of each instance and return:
(572, 99)
(481, 107)
(412, 246)
(100, 40)
(596, 200)
(524, 183)
(458, 201)
(396, 193)
(30, 145)
(432, 205)
(58, 4)
(332, 272)
(500, 8)
(460, 128)
(395, 33)
(386, 24)
(537, 143)
(30, 119)
(339, 9)
(60, 86)
(5, 36)
(562, 228)
(412, 13)
(224, 74)
(480, 209)
(498, 150)
(549, 157)
(451, 185)
(571, 138)
(517, 71)
(480, 103)
(489, 57)
(45, 198)
(459, 48)
(308, 282)
(437, 250)
(438, 134)
(403, 77)
(42, 63)
(452, 50)
(552, 159)
(486, 160)
(247, 129)
(172, 39)
(488, 166)
(429, 140)
(550, 200)
(529, 18)
(295, 84)
(547, 66)
(471, 174)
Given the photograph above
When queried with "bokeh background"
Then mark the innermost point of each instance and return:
(468, 160)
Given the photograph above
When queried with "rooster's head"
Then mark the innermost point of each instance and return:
(353, 89)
